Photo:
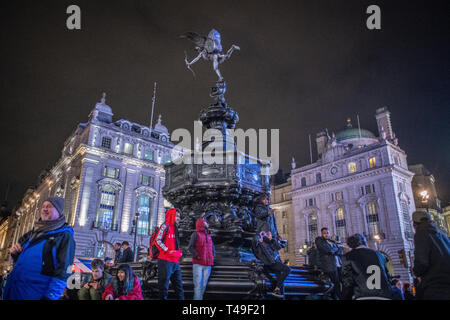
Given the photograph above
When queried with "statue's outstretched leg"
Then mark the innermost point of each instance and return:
(216, 67)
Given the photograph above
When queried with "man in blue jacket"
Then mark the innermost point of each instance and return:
(43, 257)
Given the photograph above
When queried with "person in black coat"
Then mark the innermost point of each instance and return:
(266, 250)
(359, 275)
(118, 252)
(431, 259)
(330, 260)
(127, 255)
(265, 216)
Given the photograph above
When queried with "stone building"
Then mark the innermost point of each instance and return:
(108, 171)
(359, 184)
(424, 181)
(281, 201)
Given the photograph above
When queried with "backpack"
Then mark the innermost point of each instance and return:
(154, 250)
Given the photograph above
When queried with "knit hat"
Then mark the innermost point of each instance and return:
(417, 216)
(58, 203)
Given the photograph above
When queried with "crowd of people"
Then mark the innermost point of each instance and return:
(363, 273)
(43, 260)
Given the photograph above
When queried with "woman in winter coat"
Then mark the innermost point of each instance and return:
(202, 249)
(125, 286)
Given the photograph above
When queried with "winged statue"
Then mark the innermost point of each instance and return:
(208, 48)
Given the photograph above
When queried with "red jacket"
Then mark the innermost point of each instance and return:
(170, 242)
(201, 245)
(135, 294)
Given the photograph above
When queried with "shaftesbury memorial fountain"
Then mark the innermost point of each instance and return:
(223, 192)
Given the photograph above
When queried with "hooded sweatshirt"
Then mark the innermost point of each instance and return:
(201, 245)
(171, 240)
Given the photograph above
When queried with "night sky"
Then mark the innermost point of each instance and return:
(303, 66)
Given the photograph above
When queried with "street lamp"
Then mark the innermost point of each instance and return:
(425, 197)
(135, 223)
(304, 252)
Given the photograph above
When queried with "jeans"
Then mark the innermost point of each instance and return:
(201, 276)
(281, 272)
(89, 294)
(168, 270)
(335, 279)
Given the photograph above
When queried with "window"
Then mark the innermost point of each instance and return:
(311, 202)
(341, 230)
(372, 162)
(284, 229)
(303, 182)
(168, 158)
(372, 219)
(370, 188)
(128, 148)
(105, 212)
(283, 214)
(106, 142)
(111, 172)
(352, 167)
(148, 154)
(396, 160)
(147, 180)
(312, 226)
(143, 207)
(318, 177)
(339, 195)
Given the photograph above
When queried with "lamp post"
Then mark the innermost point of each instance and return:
(304, 252)
(135, 224)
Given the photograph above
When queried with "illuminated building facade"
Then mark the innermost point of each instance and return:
(359, 184)
(108, 171)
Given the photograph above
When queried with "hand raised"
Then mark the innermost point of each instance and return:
(16, 248)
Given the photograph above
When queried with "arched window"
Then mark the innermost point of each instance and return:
(341, 229)
(312, 226)
(372, 219)
(143, 207)
(105, 212)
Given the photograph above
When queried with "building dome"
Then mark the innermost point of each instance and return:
(351, 133)
(354, 137)
(160, 128)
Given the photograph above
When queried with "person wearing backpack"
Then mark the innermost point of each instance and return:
(168, 244)
(202, 249)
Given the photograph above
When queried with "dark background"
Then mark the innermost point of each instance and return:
(303, 66)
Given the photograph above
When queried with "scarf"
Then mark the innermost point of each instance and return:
(42, 227)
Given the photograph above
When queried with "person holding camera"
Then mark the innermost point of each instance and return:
(96, 282)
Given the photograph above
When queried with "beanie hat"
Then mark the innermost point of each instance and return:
(58, 203)
(418, 216)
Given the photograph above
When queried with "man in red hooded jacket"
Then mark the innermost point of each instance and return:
(202, 249)
(168, 243)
